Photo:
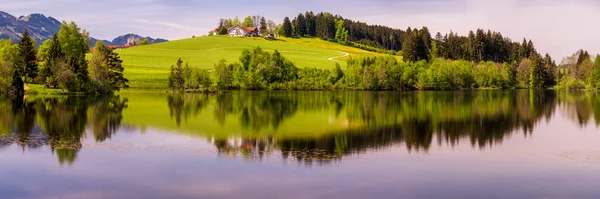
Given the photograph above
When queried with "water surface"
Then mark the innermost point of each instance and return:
(467, 144)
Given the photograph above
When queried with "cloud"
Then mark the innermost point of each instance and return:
(559, 27)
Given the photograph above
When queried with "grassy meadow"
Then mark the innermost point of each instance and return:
(148, 66)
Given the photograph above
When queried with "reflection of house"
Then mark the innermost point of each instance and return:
(240, 31)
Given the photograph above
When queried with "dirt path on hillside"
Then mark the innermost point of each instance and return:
(345, 55)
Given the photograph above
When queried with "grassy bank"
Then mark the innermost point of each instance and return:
(148, 66)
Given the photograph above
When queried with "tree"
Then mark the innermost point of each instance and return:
(44, 49)
(287, 27)
(256, 20)
(106, 68)
(523, 72)
(248, 22)
(55, 58)
(236, 21)
(116, 79)
(223, 30)
(409, 46)
(263, 27)
(300, 25)
(98, 70)
(228, 23)
(144, 42)
(27, 57)
(176, 78)
(72, 42)
(272, 26)
(596, 72)
(341, 34)
(311, 24)
(74, 46)
(223, 75)
(535, 74)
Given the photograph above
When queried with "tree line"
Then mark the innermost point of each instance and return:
(260, 70)
(416, 44)
(60, 62)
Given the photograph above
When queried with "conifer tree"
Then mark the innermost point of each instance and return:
(287, 27)
(27, 56)
(263, 26)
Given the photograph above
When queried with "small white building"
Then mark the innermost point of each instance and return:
(132, 41)
(240, 31)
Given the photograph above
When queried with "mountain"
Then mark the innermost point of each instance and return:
(42, 28)
(122, 40)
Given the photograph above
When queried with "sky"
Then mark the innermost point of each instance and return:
(559, 27)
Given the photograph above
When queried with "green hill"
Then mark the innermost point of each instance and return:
(148, 66)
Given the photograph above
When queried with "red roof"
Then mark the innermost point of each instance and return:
(246, 29)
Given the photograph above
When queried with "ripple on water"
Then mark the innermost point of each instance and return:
(582, 156)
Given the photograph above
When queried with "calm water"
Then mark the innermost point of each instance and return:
(483, 144)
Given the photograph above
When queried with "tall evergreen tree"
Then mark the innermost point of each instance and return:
(287, 27)
(301, 25)
(116, 78)
(536, 80)
(27, 56)
(311, 24)
(263, 26)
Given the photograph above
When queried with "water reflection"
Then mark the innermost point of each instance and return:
(306, 127)
(60, 123)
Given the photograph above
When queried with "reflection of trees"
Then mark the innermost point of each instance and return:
(185, 106)
(580, 106)
(415, 119)
(60, 122)
(105, 116)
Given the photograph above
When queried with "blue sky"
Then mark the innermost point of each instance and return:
(559, 27)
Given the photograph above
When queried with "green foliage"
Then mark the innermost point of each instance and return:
(416, 45)
(263, 27)
(223, 30)
(144, 42)
(73, 43)
(445, 75)
(287, 27)
(248, 22)
(488, 75)
(223, 75)
(596, 72)
(8, 53)
(341, 34)
(336, 75)
(300, 25)
(536, 71)
(27, 56)
(176, 78)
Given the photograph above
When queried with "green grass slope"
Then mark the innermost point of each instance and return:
(148, 66)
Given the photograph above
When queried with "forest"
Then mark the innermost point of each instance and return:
(482, 59)
(61, 63)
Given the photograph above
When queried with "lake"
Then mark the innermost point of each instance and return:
(437, 144)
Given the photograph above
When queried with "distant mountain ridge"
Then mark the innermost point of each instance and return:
(42, 28)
